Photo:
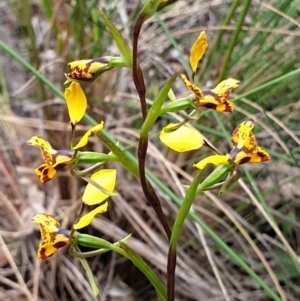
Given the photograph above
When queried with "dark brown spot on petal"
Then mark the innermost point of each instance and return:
(60, 166)
(59, 244)
(244, 160)
(45, 171)
(42, 254)
(41, 168)
(209, 106)
(264, 156)
(45, 178)
(228, 106)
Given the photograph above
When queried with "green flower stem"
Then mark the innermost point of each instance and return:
(221, 244)
(179, 220)
(116, 61)
(81, 173)
(94, 242)
(144, 268)
(97, 252)
(73, 137)
(124, 250)
(89, 274)
(184, 209)
(180, 104)
(215, 177)
(155, 109)
(92, 157)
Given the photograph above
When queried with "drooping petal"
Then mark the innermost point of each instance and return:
(45, 172)
(215, 160)
(76, 102)
(197, 51)
(106, 178)
(87, 219)
(225, 106)
(182, 139)
(259, 156)
(196, 90)
(47, 249)
(85, 138)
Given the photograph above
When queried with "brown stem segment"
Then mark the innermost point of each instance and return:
(171, 273)
(138, 76)
(148, 190)
(147, 187)
(138, 79)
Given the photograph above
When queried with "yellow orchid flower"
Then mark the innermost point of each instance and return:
(197, 51)
(217, 98)
(53, 238)
(181, 139)
(245, 149)
(56, 160)
(86, 70)
(105, 178)
(76, 102)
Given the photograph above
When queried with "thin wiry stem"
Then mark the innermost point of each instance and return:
(138, 79)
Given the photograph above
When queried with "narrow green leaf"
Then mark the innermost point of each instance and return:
(122, 45)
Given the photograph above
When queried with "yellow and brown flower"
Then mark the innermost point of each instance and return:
(55, 160)
(53, 238)
(245, 149)
(215, 99)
